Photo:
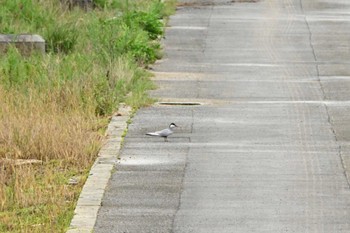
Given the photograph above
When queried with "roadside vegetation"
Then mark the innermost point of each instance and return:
(54, 108)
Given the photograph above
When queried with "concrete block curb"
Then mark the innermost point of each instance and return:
(25, 43)
(90, 198)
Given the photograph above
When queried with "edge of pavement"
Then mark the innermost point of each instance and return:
(90, 199)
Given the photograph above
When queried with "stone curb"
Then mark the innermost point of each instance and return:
(90, 198)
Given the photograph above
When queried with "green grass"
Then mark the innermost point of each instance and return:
(55, 107)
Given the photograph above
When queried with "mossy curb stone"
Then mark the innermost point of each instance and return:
(90, 198)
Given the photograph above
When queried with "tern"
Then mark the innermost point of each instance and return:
(164, 133)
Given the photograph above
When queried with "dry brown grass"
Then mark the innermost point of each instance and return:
(65, 141)
(31, 128)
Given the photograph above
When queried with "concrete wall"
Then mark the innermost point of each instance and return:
(84, 4)
(26, 44)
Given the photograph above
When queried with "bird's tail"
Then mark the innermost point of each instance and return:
(152, 134)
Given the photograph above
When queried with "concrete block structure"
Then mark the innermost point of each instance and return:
(83, 4)
(25, 43)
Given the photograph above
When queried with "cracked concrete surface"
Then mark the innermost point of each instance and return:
(268, 150)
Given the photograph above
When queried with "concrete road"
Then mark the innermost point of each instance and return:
(268, 148)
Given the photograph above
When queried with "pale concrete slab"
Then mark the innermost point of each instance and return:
(25, 43)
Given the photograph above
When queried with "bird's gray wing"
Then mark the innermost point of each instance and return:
(161, 133)
(164, 132)
(152, 134)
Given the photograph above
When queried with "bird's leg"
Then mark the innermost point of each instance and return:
(165, 139)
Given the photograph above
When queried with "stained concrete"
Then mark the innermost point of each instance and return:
(268, 150)
(25, 43)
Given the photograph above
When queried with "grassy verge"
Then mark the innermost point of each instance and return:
(54, 107)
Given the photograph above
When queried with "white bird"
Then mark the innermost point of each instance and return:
(164, 133)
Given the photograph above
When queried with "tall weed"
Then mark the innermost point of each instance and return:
(61, 38)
